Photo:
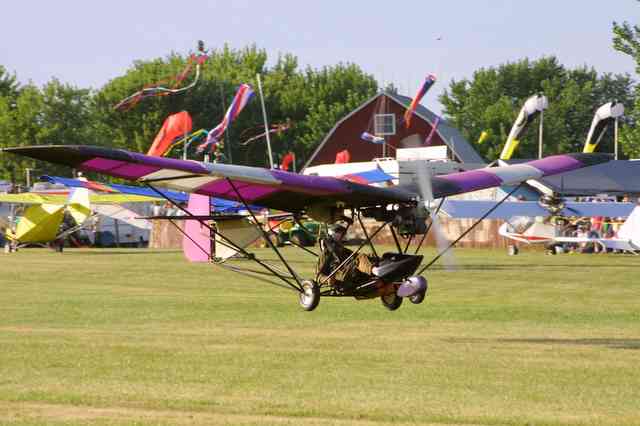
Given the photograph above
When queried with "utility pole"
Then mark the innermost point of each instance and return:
(615, 139)
(28, 171)
(266, 124)
(541, 126)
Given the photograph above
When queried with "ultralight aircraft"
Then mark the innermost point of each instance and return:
(405, 209)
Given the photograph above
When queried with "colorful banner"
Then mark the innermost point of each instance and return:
(427, 141)
(365, 136)
(175, 126)
(242, 97)
(428, 82)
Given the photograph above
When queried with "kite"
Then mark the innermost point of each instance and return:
(159, 88)
(188, 140)
(365, 136)
(428, 82)
(427, 141)
(240, 100)
(174, 126)
(275, 128)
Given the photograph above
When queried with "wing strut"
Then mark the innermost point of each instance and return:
(476, 223)
(297, 287)
(265, 236)
(364, 230)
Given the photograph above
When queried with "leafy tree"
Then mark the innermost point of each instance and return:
(312, 100)
(9, 86)
(491, 100)
(626, 39)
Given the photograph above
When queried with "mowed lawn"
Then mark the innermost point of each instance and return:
(120, 337)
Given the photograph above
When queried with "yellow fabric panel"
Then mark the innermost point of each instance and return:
(121, 198)
(31, 198)
(39, 224)
(79, 212)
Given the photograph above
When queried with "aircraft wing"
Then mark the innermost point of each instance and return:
(145, 194)
(459, 209)
(269, 188)
(120, 198)
(32, 198)
(489, 177)
(283, 190)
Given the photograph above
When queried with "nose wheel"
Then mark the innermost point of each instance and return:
(418, 298)
(391, 301)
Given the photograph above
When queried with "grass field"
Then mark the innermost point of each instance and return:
(121, 337)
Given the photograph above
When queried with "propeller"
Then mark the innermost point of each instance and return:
(426, 192)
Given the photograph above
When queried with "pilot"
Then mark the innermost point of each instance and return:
(333, 253)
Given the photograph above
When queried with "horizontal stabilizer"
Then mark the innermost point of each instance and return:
(122, 214)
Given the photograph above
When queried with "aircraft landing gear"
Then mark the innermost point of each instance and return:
(391, 301)
(309, 297)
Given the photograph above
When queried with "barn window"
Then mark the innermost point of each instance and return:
(384, 124)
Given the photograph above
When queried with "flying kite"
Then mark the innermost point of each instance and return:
(366, 136)
(275, 128)
(240, 100)
(159, 88)
(428, 82)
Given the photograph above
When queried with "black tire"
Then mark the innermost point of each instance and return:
(418, 298)
(310, 296)
(391, 301)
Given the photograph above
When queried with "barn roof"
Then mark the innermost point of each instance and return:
(449, 134)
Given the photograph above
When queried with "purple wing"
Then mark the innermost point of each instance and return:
(269, 188)
(283, 190)
(474, 180)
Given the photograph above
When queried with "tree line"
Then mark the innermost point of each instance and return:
(312, 100)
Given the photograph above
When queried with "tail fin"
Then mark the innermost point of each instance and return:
(630, 229)
(79, 205)
(196, 243)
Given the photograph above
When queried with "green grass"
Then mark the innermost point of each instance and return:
(121, 337)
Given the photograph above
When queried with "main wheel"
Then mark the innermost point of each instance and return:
(309, 297)
(391, 301)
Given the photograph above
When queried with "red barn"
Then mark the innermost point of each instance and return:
(383, 115)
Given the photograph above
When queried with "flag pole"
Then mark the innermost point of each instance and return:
(266, 125)
(615, 139)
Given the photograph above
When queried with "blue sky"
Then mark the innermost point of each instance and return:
(87, 43)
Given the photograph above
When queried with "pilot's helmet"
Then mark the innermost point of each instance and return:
(337, 230)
